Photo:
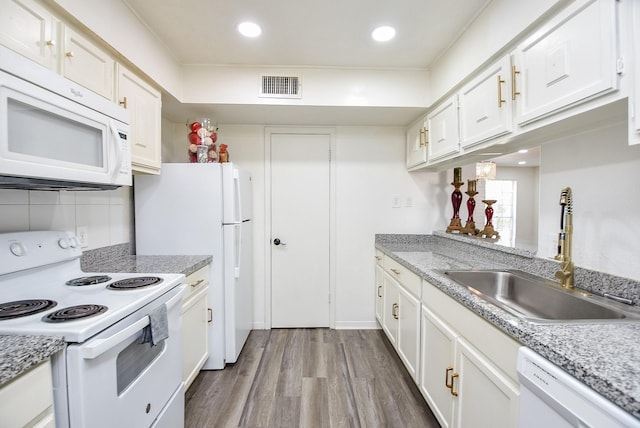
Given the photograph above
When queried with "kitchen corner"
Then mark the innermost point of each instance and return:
(601, 355)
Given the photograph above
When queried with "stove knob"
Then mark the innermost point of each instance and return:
(63, 243)
(17, 249)
(73, 242)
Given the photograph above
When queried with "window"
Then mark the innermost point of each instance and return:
(504, 211)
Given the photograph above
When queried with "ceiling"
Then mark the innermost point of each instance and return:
(328, 33)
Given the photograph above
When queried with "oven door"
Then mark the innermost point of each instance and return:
(115, 381)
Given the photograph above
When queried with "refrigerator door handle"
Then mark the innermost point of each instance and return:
(236, 185)
(238, 228)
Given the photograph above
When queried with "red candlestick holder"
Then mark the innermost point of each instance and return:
(456, 200)
(489, 231)
(470, 226)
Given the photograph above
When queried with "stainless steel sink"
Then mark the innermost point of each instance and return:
(539, 300)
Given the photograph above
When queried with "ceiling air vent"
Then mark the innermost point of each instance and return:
(280, 86)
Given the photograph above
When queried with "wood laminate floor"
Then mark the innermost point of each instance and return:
(309, 378)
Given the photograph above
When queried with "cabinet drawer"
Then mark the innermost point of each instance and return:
(496, 345)
(195, 282)
(404, 276)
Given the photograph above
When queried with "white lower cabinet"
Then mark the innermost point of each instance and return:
(463, 386)
(379, 289)
(401, 313)
(27, 401)
(195, 345)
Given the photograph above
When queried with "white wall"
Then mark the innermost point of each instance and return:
(370, 172)
(320, 86)
(603, 172)
(107, 214)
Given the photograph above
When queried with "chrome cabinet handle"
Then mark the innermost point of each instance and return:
(394, 311)
(379, 290)
(210, 312)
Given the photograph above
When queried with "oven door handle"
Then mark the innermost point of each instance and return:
(100, 346)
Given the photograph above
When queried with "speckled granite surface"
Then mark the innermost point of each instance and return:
(20, 353)
(148, 264)
(117, 258)
(605, 356)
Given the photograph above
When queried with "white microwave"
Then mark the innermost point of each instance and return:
(55, 134)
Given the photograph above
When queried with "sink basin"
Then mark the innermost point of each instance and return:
(539, 300)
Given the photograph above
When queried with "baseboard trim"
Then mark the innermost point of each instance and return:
(357, 325)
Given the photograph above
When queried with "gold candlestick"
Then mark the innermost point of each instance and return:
(489, 231)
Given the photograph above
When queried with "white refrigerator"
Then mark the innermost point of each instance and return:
(204, 209)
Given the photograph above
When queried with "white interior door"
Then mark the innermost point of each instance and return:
(300, 230)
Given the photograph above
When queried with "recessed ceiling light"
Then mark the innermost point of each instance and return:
(383, 34)
(249, 29)
(523, 151)
(522, 163)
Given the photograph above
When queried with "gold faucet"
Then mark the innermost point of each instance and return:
(565, 274)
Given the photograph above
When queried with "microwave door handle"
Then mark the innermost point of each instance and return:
(118, 150)
(100, 346)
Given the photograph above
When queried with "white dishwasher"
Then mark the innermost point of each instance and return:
(550, 397)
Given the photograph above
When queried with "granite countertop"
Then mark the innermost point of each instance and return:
(604, 355)
(20, 353)
(148, 264)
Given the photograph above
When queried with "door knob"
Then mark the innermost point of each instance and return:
(278, 242)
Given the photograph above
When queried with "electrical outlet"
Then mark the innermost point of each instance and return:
(82, 233)
(395, 202)
(408, 202)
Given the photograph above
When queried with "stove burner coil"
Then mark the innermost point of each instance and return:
(22, 308)
(74, 313)
(89, 280)
(134, 283)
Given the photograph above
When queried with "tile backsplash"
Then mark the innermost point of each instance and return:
(106, 215)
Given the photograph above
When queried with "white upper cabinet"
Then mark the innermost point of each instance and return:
(486, 105)
(86, 64)
(634, 118)
(417, 140)
(145, 104)
(569, 60)
(443, 130)
(29, 29)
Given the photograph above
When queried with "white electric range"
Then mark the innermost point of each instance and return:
(122, 363)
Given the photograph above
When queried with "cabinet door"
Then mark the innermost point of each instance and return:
(389, 312)
(86, 64)
(144, 104)
(436, 364)
(27, 401)
(443, 130)
(379, 293)
(486, 398)
(29, 29)
(486, 105)
(408, 340)
(417, 144)
(195, 348)
(635, 107)
(570, 60)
